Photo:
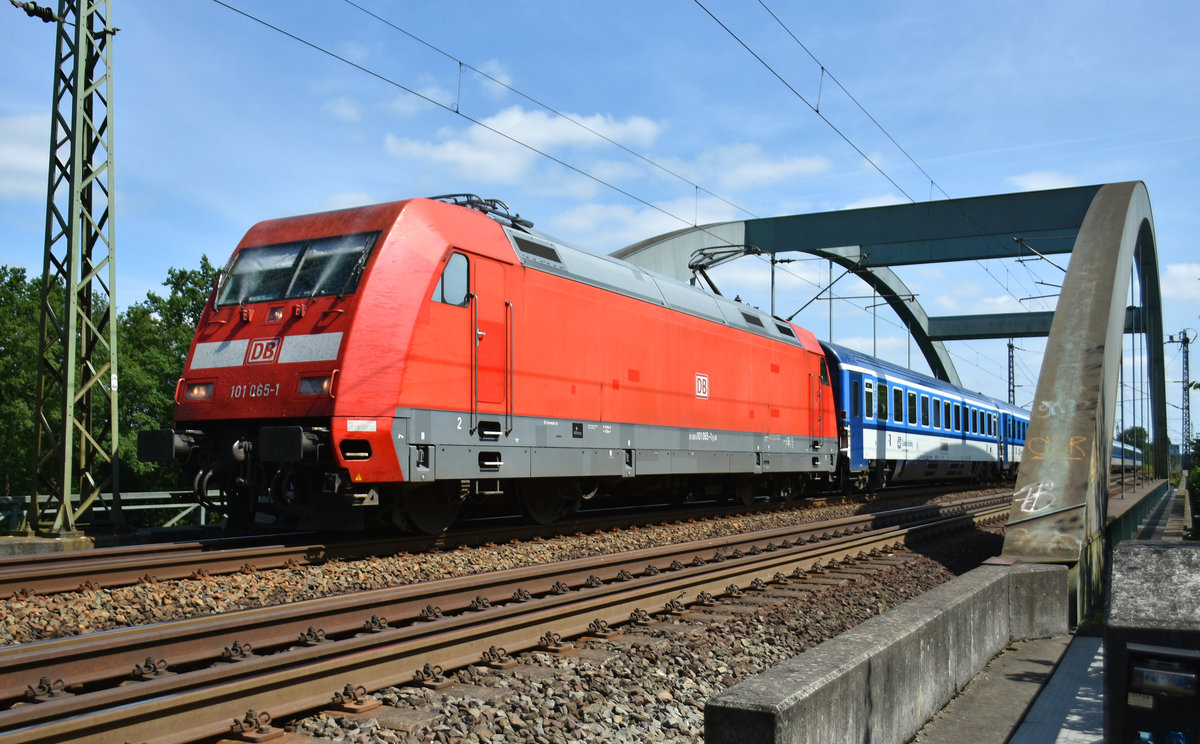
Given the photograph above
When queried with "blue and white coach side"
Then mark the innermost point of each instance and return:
(897, 425)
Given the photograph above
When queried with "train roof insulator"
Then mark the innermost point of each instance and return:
(491, 207)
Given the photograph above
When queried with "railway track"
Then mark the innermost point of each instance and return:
(195, 676)
(48, 573)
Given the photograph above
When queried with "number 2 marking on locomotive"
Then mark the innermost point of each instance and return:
(460, 423)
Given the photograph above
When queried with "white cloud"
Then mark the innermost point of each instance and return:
(891, 347)
(739, 167)
(1181, 282)
(603, 228)
(406, 104)
(345, 199)
(480, 153)
(544, 130)
(882, 200)
(968, 297)
(343, 109)
(1042, 180)
(355, 52)
(23, 156)
(500, 82)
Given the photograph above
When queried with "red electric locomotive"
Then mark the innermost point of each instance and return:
(398, 359)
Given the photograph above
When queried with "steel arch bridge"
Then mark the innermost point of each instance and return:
(1059, 508)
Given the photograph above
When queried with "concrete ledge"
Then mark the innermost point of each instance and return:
(881, 681)
(27, 545)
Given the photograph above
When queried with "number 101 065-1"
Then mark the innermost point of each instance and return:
(256, 390)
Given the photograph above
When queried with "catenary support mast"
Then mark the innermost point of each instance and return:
(75, 453)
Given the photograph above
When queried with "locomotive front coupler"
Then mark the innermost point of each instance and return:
(165, 445)
(288, 444)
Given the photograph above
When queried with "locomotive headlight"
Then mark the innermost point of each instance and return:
(315, 385)
(198, 391)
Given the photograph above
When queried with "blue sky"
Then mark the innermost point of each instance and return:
(221, 122)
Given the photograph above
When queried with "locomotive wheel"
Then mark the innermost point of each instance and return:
(744, 491)
(428, 509)
(545, 502)
(787, 491)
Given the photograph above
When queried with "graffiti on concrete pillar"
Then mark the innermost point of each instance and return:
(1058, 448)
(1051, 408)
(1036, 497)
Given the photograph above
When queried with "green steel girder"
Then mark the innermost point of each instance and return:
(75, 448)
(1003, 226)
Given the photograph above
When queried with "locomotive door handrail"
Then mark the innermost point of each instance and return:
(508, 377)
(473, 301)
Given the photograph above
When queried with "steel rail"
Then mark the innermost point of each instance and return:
(111, 654)
(49, 573)
(199, 704)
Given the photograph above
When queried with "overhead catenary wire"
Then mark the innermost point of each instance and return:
(454, 110)
(838, 131)
(457, 110)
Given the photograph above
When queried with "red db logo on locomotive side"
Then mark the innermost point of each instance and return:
(263, 351)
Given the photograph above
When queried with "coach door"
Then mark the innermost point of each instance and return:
(491, 361)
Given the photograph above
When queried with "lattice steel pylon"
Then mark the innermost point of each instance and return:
(75, 452)
(1185, 448)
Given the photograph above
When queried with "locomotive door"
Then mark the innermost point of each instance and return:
(491, 315)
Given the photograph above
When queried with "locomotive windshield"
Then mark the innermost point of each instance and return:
(310, 268)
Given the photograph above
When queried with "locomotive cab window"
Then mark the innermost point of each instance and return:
(302, 269)
(454, 283)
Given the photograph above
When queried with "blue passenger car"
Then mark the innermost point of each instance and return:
(897, 425)
(1125, 457)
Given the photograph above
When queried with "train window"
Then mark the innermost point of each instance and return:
(869, 392)
(974, 421)
(957, 417)
(854, 400)
(824, 372)
(924, 410)
(309, 268)
(937, 413)
(330, 266)
(947, 414)
(452, 286)
(883, 402)
(897, 405)
(912, 408)
(258, 274)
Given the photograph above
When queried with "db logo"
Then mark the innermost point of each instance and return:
(263, 351)
(701, 385)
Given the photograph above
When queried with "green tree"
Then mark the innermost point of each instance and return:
(19, 316)
(1136, 436)
(155, 335)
